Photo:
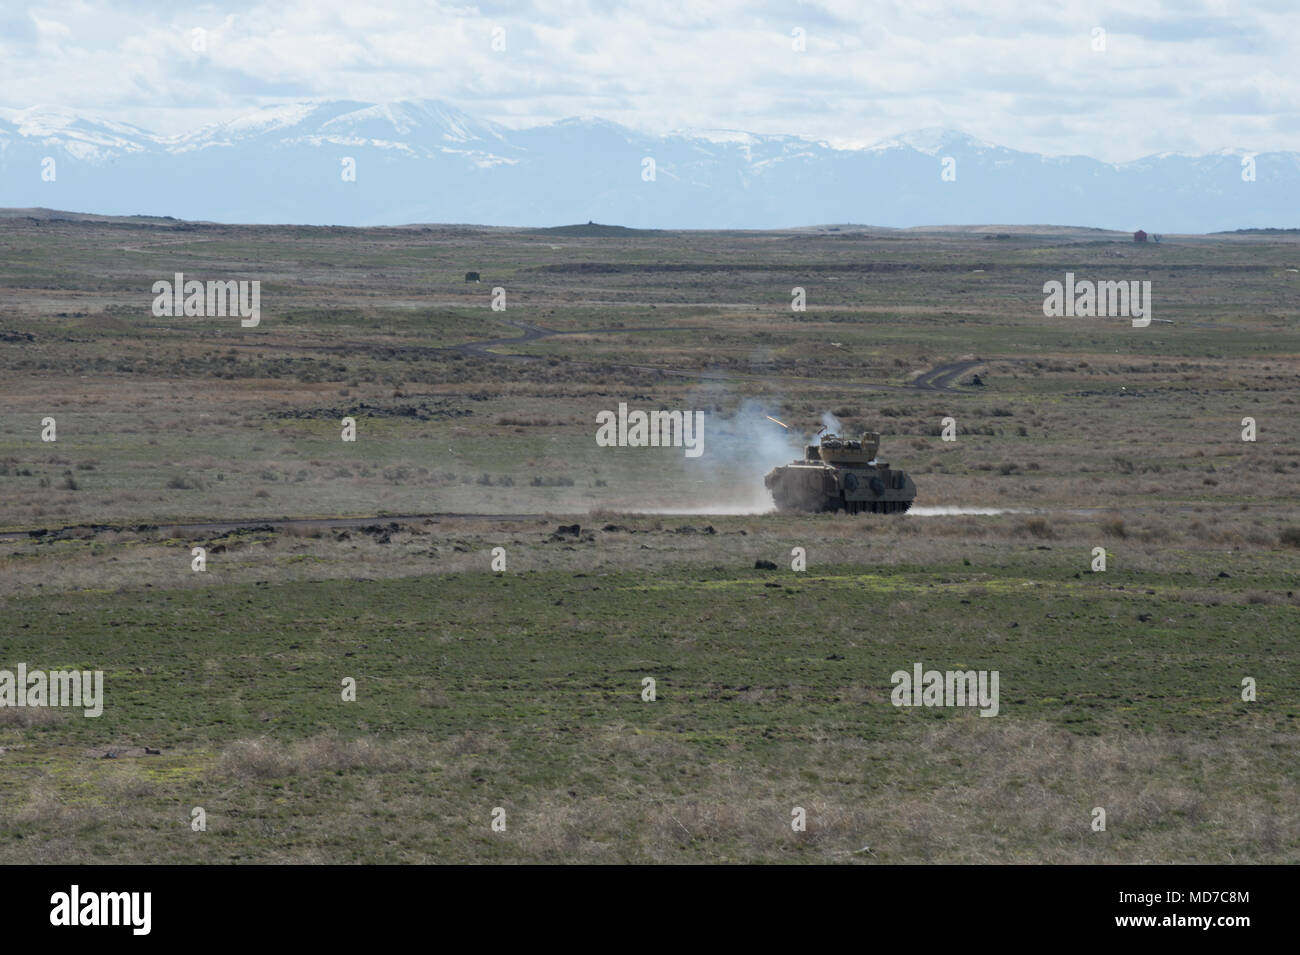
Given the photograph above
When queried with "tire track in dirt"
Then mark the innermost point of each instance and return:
(943, 377)
(220, 528)
(939, 378)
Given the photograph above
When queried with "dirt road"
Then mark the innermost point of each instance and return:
(939, 378)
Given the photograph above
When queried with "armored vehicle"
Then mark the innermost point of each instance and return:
(838, 474)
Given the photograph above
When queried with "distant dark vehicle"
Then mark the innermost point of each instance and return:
(472, 277)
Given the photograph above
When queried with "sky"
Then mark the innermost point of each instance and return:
(1191, 77)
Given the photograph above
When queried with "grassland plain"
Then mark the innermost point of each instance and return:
(523, 689)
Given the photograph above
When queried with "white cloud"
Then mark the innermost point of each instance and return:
(1209, 75)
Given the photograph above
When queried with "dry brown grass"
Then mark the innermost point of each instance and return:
(261, 758)
(27, 716)
(88, 792)
(299, 531)
(1014, 793)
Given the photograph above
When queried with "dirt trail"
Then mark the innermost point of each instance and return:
(943, 377)
(219, 528)
(939, 378)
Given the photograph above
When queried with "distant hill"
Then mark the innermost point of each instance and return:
(426, 161)
(592, 230)
(58, 215)
(1259, 232)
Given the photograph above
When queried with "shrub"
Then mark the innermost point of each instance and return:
(1038, 527)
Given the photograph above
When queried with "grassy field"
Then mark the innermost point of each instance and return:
(522, 689)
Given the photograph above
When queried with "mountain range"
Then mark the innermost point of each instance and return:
(427, 161)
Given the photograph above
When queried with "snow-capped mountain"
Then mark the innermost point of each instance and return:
(420, 128)
(84, 139)
(354, 163)
(934, 141)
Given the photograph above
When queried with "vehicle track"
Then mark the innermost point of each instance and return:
(226, 527)
(220, 528)
(943, 377)
(939, 378)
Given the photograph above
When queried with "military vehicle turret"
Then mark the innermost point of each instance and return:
(839, 474)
